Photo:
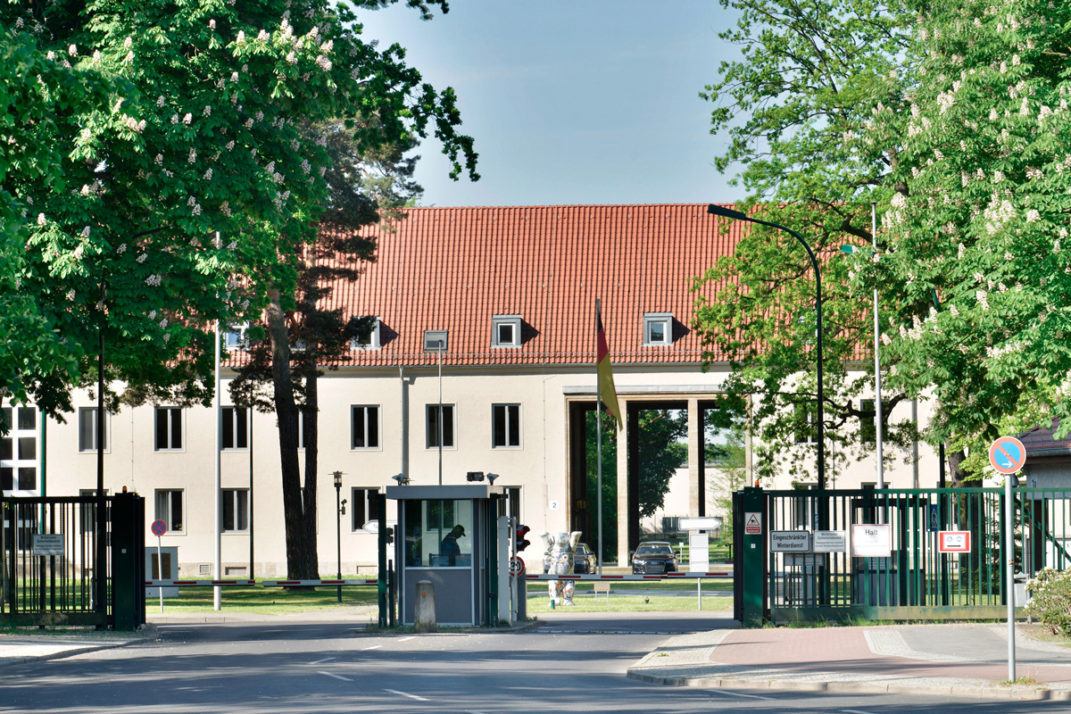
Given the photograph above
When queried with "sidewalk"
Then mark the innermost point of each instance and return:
(967, 660)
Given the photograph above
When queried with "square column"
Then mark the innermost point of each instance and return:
(696, 470)
(622, 486)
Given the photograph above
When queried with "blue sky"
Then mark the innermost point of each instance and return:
(587, 101)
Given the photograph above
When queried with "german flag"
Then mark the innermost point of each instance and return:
(607, 392)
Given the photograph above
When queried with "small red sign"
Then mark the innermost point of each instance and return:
(954, 541)
(158, 528)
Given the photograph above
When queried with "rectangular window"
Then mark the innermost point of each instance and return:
(235, 510)
(657, 329)
(435, 340)
(369, 341)
(234, 338)
(440, 420)
(87, 429)
(18, 449)
(867, 432)
(235, 427)
(169, 508)
(364, 427)
(506, 331)
(168, 428)
(505, 426)
(365, 506)
(806, 424)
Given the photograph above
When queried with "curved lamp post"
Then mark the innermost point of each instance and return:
(730, 213)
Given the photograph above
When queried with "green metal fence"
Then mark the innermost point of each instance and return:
(915, 580)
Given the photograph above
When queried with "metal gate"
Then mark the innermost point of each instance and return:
(51, 572)
(915, 580)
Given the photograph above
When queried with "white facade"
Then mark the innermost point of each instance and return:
(538, 465)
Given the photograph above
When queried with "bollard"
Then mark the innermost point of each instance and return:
(424, 619)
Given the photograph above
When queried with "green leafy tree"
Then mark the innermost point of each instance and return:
(177, 173)
(794, 108)
(977, 219)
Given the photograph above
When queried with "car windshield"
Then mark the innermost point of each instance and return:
(654, 550)
(581, 550)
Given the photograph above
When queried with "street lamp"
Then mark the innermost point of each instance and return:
(730, 213)
(340, 510)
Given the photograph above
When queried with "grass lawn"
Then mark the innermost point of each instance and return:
(650, 596)
(265, 601)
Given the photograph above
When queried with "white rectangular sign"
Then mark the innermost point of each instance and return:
(707, 523)
(48, 544)
(871, 540)
(698, 552)
(830, 541)
(790, 541)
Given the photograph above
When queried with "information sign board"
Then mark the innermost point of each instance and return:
(48, 544)
(830, 541)
(753, 523)
(790, 541)
(954, 542)
(871, 540)
(698, 552)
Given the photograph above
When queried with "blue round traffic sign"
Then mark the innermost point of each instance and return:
(1007, 455)
(158, 528)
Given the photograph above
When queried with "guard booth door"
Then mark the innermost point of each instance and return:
(427, 553)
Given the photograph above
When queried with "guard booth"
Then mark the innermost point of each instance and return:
(465, 577)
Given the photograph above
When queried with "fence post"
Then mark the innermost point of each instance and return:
(751, 536)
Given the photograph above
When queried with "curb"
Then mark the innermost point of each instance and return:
(982, 689)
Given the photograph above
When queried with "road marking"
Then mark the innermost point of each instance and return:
(407, 695)
(406, 639)
(321, 661)
(855, 711)
(373, 647)
(745, 696)
(336, 676)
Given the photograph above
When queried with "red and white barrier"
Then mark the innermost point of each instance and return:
(184, 583)
(618, 578)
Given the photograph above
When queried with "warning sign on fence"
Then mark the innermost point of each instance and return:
(753, 523)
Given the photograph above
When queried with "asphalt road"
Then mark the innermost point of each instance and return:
(570, 663)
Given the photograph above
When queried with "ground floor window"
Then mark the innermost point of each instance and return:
(235, 510)
(169, 508)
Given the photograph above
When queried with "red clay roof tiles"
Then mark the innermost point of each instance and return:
(454, 268)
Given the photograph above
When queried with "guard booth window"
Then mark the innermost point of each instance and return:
(431, 529)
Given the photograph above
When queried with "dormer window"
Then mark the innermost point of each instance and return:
(657, 329)
(435, 340)
(234, 338)
(506, 331)
(367, 342)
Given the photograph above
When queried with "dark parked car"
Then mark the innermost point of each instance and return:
(654, 556)
(583, 559)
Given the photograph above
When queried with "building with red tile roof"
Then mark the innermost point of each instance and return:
(514, 291)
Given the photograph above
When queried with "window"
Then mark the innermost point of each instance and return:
(505, 426)
(369, 341)
(168, 428)
(868, 434)
(445, 424)
(169, 508)
(18, 449)
(235, 337)
(87, 429)
(513, 502)
(432, 535)
(657, 329)
(365, 507)
(506, 331)
(235, 510)
(806, 424)
(364, 427)
(235, 427)
(435, 340)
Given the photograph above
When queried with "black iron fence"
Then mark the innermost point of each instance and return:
(51, 571)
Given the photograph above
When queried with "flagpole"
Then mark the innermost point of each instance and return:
(598, 442)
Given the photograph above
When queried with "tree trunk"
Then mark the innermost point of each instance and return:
(310, 414)
(286, 414)
(955, 458)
